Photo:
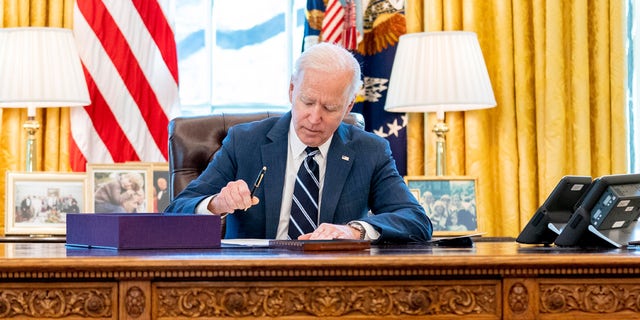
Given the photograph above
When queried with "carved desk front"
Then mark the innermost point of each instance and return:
(492, 280)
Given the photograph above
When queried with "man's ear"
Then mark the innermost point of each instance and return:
(350, 106)
(291, 87)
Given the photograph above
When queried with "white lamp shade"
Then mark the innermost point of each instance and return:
(40, 67)
(438, 72)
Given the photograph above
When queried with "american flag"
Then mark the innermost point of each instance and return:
(128, 52)
(339, 23)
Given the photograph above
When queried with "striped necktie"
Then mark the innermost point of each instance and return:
(304, 208)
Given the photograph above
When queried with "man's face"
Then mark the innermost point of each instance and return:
(319, 104)
(162, 183)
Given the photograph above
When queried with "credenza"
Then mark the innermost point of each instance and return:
(490, 280)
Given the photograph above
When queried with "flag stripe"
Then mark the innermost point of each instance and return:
(333, 32)
(114, 91)
(75, 157)
(332, 24)
(103, 121)
(128, 50)
(117, 48)
(163, 35)
(151, 62)
(88, 143)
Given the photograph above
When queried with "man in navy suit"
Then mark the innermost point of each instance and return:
(362, 195)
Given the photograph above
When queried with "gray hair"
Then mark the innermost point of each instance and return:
(136, 179)
(332, 57)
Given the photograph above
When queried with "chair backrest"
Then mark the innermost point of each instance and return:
(194, 140)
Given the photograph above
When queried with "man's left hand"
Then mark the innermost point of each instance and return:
(331, 231)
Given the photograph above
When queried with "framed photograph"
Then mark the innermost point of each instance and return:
(416, 193)
(450, 203)
(160, 184)
(120, 187)
(37, 202)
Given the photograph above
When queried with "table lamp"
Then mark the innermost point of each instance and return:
(39, 67)
(439, 72)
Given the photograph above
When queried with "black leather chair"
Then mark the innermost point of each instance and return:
(194, 140)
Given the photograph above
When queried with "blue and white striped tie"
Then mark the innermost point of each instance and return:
(304, 208)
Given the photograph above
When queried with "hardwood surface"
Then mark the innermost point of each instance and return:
(491, 280)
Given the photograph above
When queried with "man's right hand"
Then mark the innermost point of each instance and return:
(234, 196)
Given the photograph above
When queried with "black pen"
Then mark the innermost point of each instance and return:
(257, 183)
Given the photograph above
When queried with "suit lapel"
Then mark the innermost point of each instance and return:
(339, 161)
(274, 177)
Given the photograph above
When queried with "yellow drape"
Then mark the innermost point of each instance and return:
(53, 136)
(558, 74)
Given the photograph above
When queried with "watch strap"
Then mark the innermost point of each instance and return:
(358, 226)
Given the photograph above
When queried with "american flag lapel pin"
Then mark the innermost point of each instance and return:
(345, 158)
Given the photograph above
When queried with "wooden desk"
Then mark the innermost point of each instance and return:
(492, 280)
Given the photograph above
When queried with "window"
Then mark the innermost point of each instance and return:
(237, 54)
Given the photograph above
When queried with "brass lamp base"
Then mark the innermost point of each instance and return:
(31, 126)
(440, 129)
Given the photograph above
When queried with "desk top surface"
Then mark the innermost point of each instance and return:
(481, 253)
(484, 260)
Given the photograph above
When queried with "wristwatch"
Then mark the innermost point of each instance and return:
(358, 226)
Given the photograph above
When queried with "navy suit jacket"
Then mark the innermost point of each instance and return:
(361, 183)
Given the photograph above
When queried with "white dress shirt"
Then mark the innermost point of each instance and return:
(295, 156)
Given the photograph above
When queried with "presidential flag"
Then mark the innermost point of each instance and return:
(128, 52)
(382, 23)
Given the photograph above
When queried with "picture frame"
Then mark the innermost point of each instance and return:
(120, 187)
(449, 201)
(160, 184)
(37, 202)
